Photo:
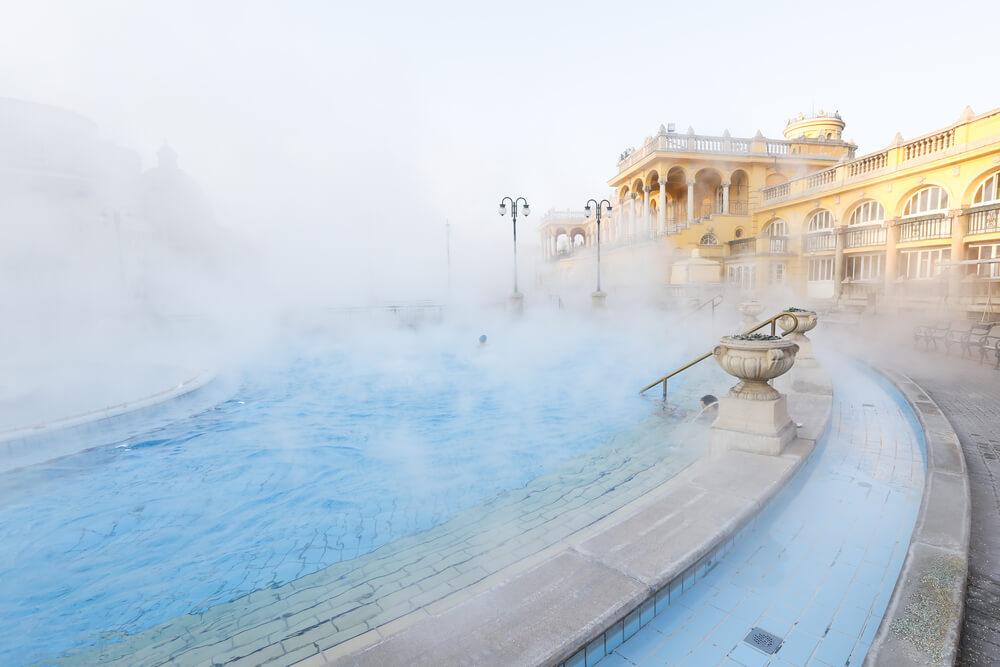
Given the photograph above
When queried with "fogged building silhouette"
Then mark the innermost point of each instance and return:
(85, 229)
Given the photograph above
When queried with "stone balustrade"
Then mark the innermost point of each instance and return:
(930, 146)
(984, 220)
(865, 236)
(925, 228)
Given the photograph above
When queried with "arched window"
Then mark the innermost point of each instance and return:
(925, 201)
(868, 212)
(821, 221)
(778, 227)
(709, 239)
(739, 232)
(989, 191)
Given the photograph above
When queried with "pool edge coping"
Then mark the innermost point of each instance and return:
(119, 414)
(937, 558)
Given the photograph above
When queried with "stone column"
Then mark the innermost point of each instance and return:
(725, 198)
(661, 212)
(958, 223)
(645, 212)
(630, 234)
(838, 262)
(690, 201)
(890, 261)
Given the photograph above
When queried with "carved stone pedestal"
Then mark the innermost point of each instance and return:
(762, 427)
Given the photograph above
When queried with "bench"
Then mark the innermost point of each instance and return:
(989, 343)
(965, 336)
(925, 333)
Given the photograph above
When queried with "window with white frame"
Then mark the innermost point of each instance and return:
(983, 252)
(777, 228)
(867, 213)
(742, 275)
(709, 239)
(922, 264)
(820, 269)
(821, 221)
(864, 268)
(777, 273)
(988, 191)
(926, 201)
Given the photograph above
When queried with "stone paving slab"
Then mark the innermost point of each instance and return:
(675, 531)
(569, 598)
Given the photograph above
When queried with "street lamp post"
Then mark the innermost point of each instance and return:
(516, 299)
(598, 298)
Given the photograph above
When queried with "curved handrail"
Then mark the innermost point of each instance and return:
(773, 321)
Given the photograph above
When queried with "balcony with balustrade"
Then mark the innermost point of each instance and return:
(863, 237)
(667, 143)
(923, 149)
(743, 247)
(923, 229)
(821, 242)
(984, 219)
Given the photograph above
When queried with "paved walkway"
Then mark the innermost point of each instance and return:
(969, 395)
(820, 564)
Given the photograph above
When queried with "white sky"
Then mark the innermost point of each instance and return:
(315, 116)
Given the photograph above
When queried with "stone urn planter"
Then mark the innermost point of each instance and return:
(796, 329)
(804, 321)
(753, 416)
(755, 359)
(750, 310)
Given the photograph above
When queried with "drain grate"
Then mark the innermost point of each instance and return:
(762, 640)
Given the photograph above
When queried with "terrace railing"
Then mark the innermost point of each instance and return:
(772, 321)
(984, 220)
(864, 236)
(703, 143)
(819, 242)
(928, 147)
(743, 247)
(925, 228)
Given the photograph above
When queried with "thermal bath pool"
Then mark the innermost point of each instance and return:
(334, 456)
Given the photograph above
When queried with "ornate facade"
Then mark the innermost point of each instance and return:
(909, 227)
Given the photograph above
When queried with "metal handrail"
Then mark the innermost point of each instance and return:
(773, 321)
(715, 301)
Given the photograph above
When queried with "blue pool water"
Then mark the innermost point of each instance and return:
(322, 455)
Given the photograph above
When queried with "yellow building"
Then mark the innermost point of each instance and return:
(885, 230)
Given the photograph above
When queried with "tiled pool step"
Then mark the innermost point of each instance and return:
(321, 610)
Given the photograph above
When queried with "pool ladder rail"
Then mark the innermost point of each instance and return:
(773, 321)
